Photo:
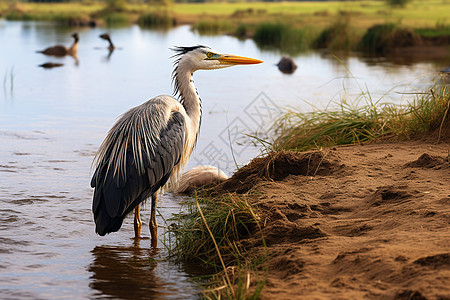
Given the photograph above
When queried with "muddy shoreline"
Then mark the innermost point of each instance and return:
(364, 222)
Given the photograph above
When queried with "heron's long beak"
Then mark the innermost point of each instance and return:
(237, 60)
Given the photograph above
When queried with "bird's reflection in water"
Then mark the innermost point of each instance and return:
(110, 52)
(125, 272)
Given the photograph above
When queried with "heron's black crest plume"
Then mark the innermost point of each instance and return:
(180, 50)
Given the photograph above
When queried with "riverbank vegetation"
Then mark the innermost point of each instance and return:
(355, 123)
(209, 231)
(226, 230)
(288, 26)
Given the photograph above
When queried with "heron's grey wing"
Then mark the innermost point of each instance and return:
(116, 195)
(167, 153)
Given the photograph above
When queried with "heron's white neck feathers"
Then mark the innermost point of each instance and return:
(190, 101)
(188, 95)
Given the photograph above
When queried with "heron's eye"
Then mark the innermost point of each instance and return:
(209, 55)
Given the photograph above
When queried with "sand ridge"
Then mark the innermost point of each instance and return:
(353, 222)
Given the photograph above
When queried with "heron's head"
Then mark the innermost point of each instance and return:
(204, 58)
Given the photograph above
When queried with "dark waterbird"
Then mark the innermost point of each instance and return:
(151, 143)
(111, 47)
(287, 65)
(60, 50)
(106, 37)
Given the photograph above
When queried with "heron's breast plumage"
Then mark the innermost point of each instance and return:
(190, 131)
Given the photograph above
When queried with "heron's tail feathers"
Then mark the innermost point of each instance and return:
(104, 223)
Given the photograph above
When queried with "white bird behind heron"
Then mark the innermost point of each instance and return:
(198, 176)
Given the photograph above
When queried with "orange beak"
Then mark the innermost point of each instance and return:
(237, 60)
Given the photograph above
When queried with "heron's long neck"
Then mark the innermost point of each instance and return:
(189, 97)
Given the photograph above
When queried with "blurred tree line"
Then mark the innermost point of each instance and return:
(394, 3)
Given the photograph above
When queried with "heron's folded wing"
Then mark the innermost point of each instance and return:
(121, 194)
(168, 152)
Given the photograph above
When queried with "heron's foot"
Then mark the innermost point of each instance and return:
(154, 235)
(138, 238)
(154, 243)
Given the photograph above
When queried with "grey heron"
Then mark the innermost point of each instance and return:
(60, 50)
(150, 144)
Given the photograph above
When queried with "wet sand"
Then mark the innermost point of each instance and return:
(353, 222)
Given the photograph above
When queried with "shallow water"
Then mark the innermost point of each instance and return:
(52, 122)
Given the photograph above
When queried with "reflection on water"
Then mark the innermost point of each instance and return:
(137, 272)
(125, 272)
(52, 121)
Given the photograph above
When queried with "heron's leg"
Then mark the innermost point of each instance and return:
(152, 224)
(137, 221)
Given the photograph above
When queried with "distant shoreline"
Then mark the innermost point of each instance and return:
(291, 26)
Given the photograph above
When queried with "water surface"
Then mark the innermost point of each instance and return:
(53, 121)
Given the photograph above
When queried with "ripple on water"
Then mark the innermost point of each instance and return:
(34, 266)
(13, 294)
(47, 255)
(7, 168)
(8, 245)
(27, 201)
(86, 153)
(32, 199)
(7, 217)
(22, 153)
(15, 135)
(61, 161)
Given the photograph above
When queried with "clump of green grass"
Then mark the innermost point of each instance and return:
(385, 37)
(242, 285)
(338, 36)
(242, 31)
(441, 30)
(282, 36)
(116, 5)
(16, 12)
(157, 19)
(17, 15)
(116, 18)
(71, 19)
(212, 26)
(209, 232)
(229, 217)
(65, 17)
(398, 3)
(353, 124)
